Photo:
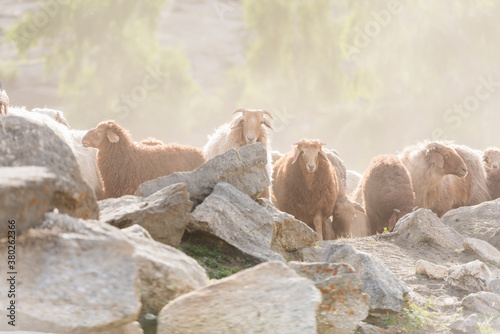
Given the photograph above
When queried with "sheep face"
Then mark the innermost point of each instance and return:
(491, 158)
(446, 160)
(308, 152)
(97, 137)
(251, 121)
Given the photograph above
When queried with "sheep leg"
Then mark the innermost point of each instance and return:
(318, 226)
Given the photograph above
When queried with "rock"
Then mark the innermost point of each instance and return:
(26, 193)
(471, 277)
(343, 305)
(268, 298)
(132, 328)
(73, 283)
(25, 143)
(245, 169)
(369, 329)
(495, 286)
(430, 269)
(465, 326)
(486, 303)
(484, 250)
(424, 227)
(312, 254)
(481, 221)
(165, 272)
(291, 234)
(164, 214)
(386, 291)
(235, 218)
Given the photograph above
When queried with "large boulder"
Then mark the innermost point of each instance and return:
(486, 303)
(386, 291)
(72, 282)
(424, 227)
(481, 221)
(474, 276)
(235, 218)
(484, 250)
(292, 235)
(26, 194)
(268, 298)
(164, 214)
(165, 272)
(25, 143)
(245, 169)
(344, 304)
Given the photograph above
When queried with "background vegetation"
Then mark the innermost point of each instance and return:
(403, 84)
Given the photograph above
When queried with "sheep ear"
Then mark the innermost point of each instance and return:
(437, 159)
(237, 122)
(392, 221)
(113, 137)
(296, 154)
(267, 123)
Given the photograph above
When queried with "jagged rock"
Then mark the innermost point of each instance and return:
(424, 227)
(481, 221)
(235, 218)
(471, 277)
(343, 305)
(486, 303)
(243, 168)
(73, 282)
(386, 291)
(312, 254)
(165, 272)
(268, 298)
(25, 143)
(369, 329)
(484, 250)
(164, 214)
(430, 269)
(292, 235)
(495, 286)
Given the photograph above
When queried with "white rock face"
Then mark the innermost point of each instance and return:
(472, 277)
(268, 298)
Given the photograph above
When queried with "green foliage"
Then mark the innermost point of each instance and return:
(416, 319)
(217, 264)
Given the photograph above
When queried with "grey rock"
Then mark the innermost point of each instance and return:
(132, 328)
(235, 218)
(484, 250)
(268, 298)
(245, 169)
(73, 283)
(430, 269)
(386, 291)
(465, 326)
(495, 286)
(164, 214)
(471, 277)
(312, 254)
(344, 304)
(25, 143)
(424, 227)
(486, 303)
(481, 221)
(165, 272)
(369, 329)
(291, 234)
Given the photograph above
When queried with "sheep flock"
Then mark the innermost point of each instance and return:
(310, 182)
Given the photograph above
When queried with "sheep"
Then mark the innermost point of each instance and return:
(387, 192)
(4, 100)
(57, 115)
(345, 210)
(494, 183)
(305, 184)
(353, 180)
(85, 157)
(247, 128)
(275, 155)
(445, 176)
(491, 158)
(151, 141)
(123, 165)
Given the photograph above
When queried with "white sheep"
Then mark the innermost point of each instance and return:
(85, 157)
(247, 128)
(57, 115)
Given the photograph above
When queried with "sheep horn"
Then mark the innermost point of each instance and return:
(239, 110)
(265, 112)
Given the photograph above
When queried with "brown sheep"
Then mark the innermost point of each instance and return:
(151, 141)
(305, 184)
(491, 158)
(494, 183)
(345, 210)
(123, 165)
(387, 192)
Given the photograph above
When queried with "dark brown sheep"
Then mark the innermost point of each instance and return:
(305, 184)
(123, 165)
(387, 192)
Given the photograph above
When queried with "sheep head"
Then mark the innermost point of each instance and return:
(309, 152)
(491, 158)
(252, 122)
(105, 132)
(445, 159)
